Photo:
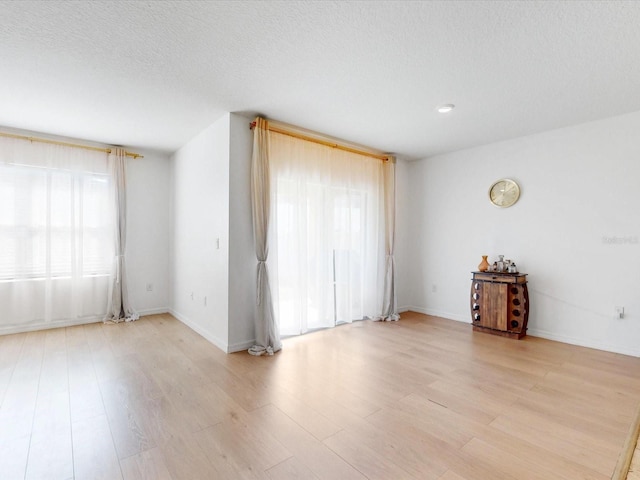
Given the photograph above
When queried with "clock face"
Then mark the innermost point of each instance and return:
(504, 193)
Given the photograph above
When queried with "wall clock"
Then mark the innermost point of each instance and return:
(504, 193)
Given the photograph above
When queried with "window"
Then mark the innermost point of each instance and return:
(56, 233)
(53, 222)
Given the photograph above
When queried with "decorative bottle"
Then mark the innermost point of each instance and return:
(484, 264)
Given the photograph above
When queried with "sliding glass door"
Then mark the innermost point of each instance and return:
(327, 249)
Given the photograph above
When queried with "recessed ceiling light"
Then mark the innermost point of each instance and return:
(446, 108)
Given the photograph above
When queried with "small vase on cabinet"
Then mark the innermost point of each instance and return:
(484, 264)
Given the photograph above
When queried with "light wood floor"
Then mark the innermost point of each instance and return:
(423, 398)
(634, 470)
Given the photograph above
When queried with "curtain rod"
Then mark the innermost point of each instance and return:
(66, 144)
(321, 141)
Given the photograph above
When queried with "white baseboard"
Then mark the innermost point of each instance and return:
(437, 313)
(199, 330)
(48, 326)
(70, 322)
(239, 347)
(153, 311)
(534, 332)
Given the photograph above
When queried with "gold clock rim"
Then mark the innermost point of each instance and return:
(507, 180)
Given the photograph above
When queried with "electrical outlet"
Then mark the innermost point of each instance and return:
(434, 288)
(619, 312)
(149, 287)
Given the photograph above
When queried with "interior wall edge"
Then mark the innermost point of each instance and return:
(200, 331)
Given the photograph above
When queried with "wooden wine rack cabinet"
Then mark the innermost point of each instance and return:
(500, 303)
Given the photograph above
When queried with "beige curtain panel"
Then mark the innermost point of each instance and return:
(389, 302)
(266, 327)
(119, 308)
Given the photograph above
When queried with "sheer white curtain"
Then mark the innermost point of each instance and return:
(328, 257)
(55, 234)
(120, 307)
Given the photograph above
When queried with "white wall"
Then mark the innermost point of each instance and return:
(200, 218)
(404, 239)
(242, 257)
(148, 227)
(579, 191)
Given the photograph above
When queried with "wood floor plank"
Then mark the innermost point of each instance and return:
(571, 446)
(29, 364)
(80, 366)
(75, 336)
(367, 461)
(324, 463)
(247, 392)
(85, 401)
(54, 376)
(147, 465)
(421, 398)
(155, 422)
(589, 428)
(52, 413)
(128, 430)
(558, 401)
(340, 406)
(312, 421)
(10, 347)
(634, 468)
(509, 464)
(478, 412)
(18, 409)
(616, 381)
(94, 453)
(247, 448)
(290, 469)
(417, 452)
(540, 455)
(14, 454)
(449, 475)
(432, 419)
(185, 458)
(50, 455)
(430, 444)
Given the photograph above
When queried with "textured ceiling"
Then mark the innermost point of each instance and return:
(155, 73)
